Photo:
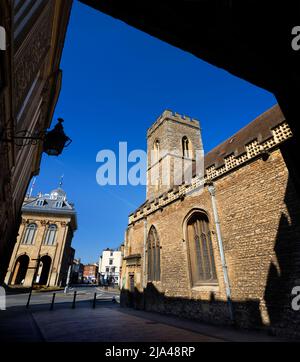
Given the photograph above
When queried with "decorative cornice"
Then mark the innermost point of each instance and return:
(30, 58)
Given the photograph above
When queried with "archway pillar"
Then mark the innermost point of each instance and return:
(30, 274)
(9, 278)
(52, 279)
(14, 276)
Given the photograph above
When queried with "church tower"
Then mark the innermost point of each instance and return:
(173, 143)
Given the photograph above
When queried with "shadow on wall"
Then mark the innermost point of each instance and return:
(284, 270)
(247, 314)
(283, 275)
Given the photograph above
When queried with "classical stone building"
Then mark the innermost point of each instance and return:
(43, 252)
(225, 247)
(30, 81)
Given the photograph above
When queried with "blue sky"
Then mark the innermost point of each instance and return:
(116, 82)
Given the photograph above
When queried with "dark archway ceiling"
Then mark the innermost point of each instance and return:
(249, 38)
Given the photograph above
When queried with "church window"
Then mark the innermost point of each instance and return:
(202, 263)
(156, 150)
(153, 252)
(186, 147)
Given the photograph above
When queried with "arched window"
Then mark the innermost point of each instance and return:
(29, 234)
(153, 252)
(156, 149)
(186, 147)
(202, 263)
(50, 235)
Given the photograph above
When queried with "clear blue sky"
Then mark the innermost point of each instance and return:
(116, 82)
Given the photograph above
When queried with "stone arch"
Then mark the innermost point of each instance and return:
(44, 270)
(156, 150)
(187, 147)
(201, 260)
(153, 255)
(190, 214)
(20, 270)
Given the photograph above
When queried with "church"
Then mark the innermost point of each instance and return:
(224, 247)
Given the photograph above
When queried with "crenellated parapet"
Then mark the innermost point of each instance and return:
(175, 117)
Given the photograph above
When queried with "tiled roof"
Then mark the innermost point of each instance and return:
(260, 128)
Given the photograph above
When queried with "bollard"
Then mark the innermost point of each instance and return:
(29, 297)
(94, 302)
(74, 300)
(52, 303)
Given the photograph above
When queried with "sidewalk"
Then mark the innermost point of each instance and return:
(110, 323)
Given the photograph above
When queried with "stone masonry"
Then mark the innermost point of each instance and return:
(259, 214)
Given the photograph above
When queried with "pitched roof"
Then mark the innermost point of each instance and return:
(260, 128)
(53, 203)
(46, 204)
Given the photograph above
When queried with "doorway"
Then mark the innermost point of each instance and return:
(20, 270)
(45, 264)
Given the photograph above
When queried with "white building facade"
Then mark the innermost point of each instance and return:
(110, 264)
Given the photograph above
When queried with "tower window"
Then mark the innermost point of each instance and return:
(156, 150)
(186, 147)
(201, 255)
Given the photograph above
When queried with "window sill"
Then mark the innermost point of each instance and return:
(206, 288)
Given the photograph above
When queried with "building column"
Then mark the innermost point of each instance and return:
(61, 241)
(30, 273)
(13, 259)
(13, 279)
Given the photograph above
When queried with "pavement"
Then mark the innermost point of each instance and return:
(107, 322)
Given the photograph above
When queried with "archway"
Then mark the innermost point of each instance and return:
(45, 265)
(20, 270)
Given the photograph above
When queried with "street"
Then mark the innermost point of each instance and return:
(84, 294)
(107, 322)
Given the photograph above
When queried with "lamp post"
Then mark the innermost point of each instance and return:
(66, 290)
(54, 141)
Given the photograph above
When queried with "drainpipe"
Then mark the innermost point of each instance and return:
(144, 253)
(212, 191)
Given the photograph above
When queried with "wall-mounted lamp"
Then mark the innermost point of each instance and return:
(54, 141)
